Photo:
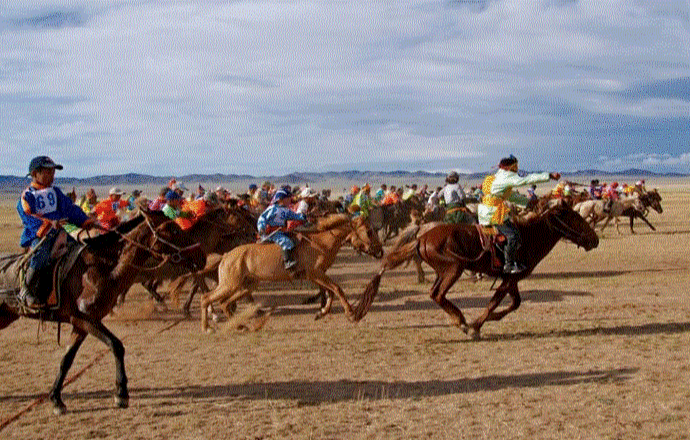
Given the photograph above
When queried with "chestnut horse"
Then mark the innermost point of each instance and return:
(105, 267)
(450, 249)
(242, 269)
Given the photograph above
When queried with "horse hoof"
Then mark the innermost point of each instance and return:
(318, 316)
(59, 409)
(464, 328)
(215, 318)
(122, 403)
(209, 330)
(475, 335)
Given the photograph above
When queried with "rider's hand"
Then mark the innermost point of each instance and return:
(555, 176)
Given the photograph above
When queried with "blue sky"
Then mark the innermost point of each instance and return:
(271, 87)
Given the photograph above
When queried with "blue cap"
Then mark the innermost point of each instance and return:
(280, 194)
(42, 162)
(252, 186)
(172, 195)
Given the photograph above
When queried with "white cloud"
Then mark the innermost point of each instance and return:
(276, 86)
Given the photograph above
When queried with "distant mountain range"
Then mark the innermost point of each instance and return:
(16, 183)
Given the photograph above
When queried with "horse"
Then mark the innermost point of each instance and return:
(651, 199)
(217, 231)
(392, 218)
(242, 269)
(593, 210)
(104, 266)
(648, 200)
(450, 249)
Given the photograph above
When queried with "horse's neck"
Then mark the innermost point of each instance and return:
(538, 240)
(333, 238)
(125, 271)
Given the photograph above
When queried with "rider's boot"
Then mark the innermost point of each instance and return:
(27, 294)
(511, 266)
(289, 259)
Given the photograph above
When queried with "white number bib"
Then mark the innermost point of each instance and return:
(46, 201)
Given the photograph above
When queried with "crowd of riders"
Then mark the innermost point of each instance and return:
(44, 209)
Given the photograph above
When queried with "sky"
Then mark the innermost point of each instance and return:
(265, 87)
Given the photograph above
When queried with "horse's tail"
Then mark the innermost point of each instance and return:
(403, 252)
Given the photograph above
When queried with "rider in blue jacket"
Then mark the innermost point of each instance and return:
(41, 207)
(272, 223)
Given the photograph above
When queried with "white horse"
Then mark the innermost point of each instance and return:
(593, 210)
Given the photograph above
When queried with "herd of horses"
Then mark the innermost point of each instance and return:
(151, 249)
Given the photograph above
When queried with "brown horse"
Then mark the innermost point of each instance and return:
(450, 249)
(241, 229)
(218, 231)
(105, 267)
(242, 269)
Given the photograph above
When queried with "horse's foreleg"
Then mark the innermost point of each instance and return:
(151, 286)
(78, 336)
(642, 216)
(606, 222)
(320, 296)
(331, 287)
(175, 287)
(420, 270)
(199, 284)
(632, 218)
(507, 287)
(444, 281)
(219, 294)
(98, 330)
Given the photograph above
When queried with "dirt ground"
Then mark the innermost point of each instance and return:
(598, 349)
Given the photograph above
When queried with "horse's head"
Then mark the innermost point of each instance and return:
(240, 220)
(652, 199)
(171, 242)
(568, 223)
(363, 238)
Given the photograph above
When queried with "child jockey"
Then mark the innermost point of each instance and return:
(272, 223)
(41, 207)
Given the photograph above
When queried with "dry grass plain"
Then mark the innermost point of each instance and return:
(598, 349)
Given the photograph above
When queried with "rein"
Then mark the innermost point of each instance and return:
(566, 227)
(354, 231)
(164, 258)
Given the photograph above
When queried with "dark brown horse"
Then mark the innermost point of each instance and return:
(450, 249)
(104, 268)
(650, 199)
(217, 231)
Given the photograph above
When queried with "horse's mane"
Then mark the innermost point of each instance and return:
(332, 221)
(111, 238)
(534, 217)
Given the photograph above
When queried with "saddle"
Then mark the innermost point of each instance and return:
(492, 241)
(63, 257)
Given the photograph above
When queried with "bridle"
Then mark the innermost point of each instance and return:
(176, 258)
(563, 229)
(359, 237)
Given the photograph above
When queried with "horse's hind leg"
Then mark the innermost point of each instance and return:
(444, 281)
(507, 287)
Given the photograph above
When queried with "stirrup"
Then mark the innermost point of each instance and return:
(30, 301)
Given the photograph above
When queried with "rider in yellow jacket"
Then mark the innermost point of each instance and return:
(493, 210)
